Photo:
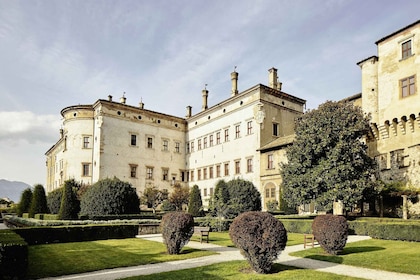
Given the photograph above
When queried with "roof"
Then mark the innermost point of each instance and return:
(277, 143)
(398, 31)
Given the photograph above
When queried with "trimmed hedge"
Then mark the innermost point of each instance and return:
(331, 232)
(13, 255)
(297, 225)
(177, 229)
(46, 235)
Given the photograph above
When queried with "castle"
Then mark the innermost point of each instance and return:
(244, 136)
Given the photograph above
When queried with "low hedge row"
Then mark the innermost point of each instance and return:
(297, 225)
(63, 234)
(13, 255)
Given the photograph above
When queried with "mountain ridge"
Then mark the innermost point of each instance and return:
(12, 189)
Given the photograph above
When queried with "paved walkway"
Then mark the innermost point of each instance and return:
(230, 254)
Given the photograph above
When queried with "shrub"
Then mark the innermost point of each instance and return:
(70, 205)
(25, 202)
(39, 201)
(260, 238)
(297, 225)
(177, 229)
(195, 204)
(110, 197)
(331, 232)
(167, 206)
(244, 197)
(54, 200)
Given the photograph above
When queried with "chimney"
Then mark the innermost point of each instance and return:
(123, 99)
(279, 84)
(234, 77)
(272, 78)
(205, 94)
(61, 132)
(141, 104)
(189, 112)
(110, 98)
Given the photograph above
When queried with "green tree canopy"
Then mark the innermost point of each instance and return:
(110, 197)
(153, 197)
(179, 196)
(25, 202)
(54, 200)
(328, 160)
(39, 202)
(195, 204)
(243, 197)
(70, 205)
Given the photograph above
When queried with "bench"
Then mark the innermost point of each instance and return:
(202, 232)
(308, 240)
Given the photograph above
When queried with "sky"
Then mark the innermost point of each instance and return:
(55, 54)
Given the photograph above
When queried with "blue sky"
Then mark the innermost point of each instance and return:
(55, 54)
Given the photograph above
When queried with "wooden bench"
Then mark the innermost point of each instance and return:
(308, 240)
(202, 232)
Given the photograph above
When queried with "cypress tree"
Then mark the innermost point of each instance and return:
(195, 204)
(70, 205)
(39, 201)
(25, 202)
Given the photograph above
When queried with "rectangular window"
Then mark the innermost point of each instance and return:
(211, 191)
(237, 167)
(199, 144)
(192, 146)
(226, 135)
(149, 173)
(199, 174)
(249, 128)
(192, 175)
(165, 145)
(270, 164)
(267, 192)
(133, 140)
(249, 165)
(218, 170)
(85, 169)
(237, 131)
(406, 49)
(408, 86)
(187, 147)
(273, 192)
(211, 172)
(211, 140)
(217, 137)
(205, 142)
(150, 142)
(177, 147)
(275, 129)
(205, 192)
(226, 169)
(86, 140)
(205, 173)
(165, 174)
(133, 170)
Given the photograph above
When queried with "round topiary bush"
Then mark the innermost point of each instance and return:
(260, 237)
(331, 232)
(177, 229)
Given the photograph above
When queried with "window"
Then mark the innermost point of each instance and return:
(165, 174)
(275, 129)
(211, 172)
(177, 147)
(165, 145)
(227, 169)
(205, 192)
(270, 164)
(237, 131)
(406, 49)
(273, 192)
(187, 148)
(237, 167)
(249, 165)
(408, 86)
(249, 128)
(199, 144)
(86, 142)
(218, 170)
(205, 142)
(192, 175)
(192, 146)
(149, 173)
(205, 173)
(211, 191)
(218, 137)
(199, 174)
(150, 142)
(85, 169)
(211, 140)
(133, 140)
(133, 170)
(226, 135)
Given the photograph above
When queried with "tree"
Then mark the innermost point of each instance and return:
(219, 201)
(54, 200)
(110, 197)
(25, 201)
(328, 160)
(153, 197)
(195, 204)
(39, 201)
(179, 196)
(70, 205)
(244, 197)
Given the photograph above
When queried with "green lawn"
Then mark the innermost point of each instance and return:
(397, 256)
(69, 258)
(241, 270)
(223, 239)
